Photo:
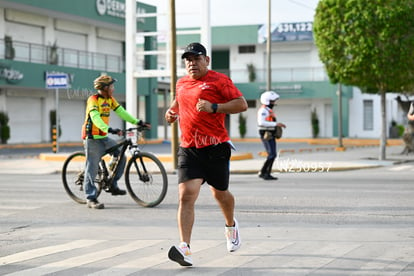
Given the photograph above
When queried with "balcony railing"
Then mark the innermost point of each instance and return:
(278, 75)
(37, 53)
(281, 74)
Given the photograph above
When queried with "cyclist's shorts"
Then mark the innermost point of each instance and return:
(210, 163)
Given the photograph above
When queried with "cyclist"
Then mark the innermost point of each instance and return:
(95, 135)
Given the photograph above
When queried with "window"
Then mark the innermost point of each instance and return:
(368, 115)
(247, 49)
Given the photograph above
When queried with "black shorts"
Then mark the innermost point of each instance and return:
(211, 163)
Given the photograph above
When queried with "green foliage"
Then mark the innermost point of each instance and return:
(368, 44)
(242, 125)
(252, 72)
(4, 128)
(401, 130)
(53, 55)
(5, 134)
(315, 123)
(9, 51)
(396, 130)
(4, 118)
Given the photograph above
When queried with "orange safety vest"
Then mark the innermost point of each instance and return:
(271, 117)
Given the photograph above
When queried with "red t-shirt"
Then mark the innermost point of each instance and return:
(202, 129)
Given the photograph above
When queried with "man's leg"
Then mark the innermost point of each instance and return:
(109, 143)
(265, 168)
(271, 158)
(226, 202)
(188, 193)
(93, 150)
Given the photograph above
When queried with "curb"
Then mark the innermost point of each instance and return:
(347, 142)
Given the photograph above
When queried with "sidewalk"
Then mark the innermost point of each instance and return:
(355, 155)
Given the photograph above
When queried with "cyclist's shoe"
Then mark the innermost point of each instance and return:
(117, 191)
(233, 237)
(181, 254)
(94, 204)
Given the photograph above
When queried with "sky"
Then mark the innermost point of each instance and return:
(236, 12)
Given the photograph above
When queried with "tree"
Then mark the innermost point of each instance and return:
(242, 125)
(4, 127)
(314, 123)
(368, 44)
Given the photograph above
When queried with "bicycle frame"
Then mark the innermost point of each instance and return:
(107, 177)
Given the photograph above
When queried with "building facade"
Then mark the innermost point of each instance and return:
(81, 39)
(85, 38)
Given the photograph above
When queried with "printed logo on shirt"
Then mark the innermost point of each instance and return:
(105, 109)
(204, 86)
(204, 140)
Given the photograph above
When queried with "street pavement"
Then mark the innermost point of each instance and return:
(309, 156)
(294, 226)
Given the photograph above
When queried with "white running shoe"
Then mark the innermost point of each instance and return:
(233, 237)
(181, 254)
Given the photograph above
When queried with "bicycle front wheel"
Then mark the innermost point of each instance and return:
(146, 179)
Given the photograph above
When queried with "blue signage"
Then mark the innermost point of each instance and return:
(57, 81)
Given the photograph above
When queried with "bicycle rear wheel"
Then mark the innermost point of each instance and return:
(73, 173)
(146, 179)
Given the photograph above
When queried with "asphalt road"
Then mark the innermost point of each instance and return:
(338, 223)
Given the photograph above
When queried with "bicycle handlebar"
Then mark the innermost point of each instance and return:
(138, 128)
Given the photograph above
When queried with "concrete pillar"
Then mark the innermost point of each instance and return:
(130, 49)
(2, 24)
(206, 28)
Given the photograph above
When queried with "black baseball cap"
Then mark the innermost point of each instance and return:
(194, 48)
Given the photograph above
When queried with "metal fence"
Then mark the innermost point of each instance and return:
(281, 74)
(38, 53)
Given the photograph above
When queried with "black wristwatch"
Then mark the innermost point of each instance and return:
(214, 106)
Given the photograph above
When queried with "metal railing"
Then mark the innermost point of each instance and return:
(38, 53)
(281, 74)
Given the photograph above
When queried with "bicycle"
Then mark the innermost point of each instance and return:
(145, 176)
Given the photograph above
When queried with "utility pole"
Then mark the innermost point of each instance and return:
(269, 47)
(130, 61)
(339, 93)
(173, 54)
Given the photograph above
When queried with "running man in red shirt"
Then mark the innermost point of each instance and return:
(203, 98)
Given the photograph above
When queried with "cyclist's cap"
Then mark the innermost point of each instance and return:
(103, 81)
(194, 48)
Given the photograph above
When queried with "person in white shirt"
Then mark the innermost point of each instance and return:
(410, 114)
(267, 124)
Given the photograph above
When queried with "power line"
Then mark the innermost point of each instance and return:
(301, 4)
